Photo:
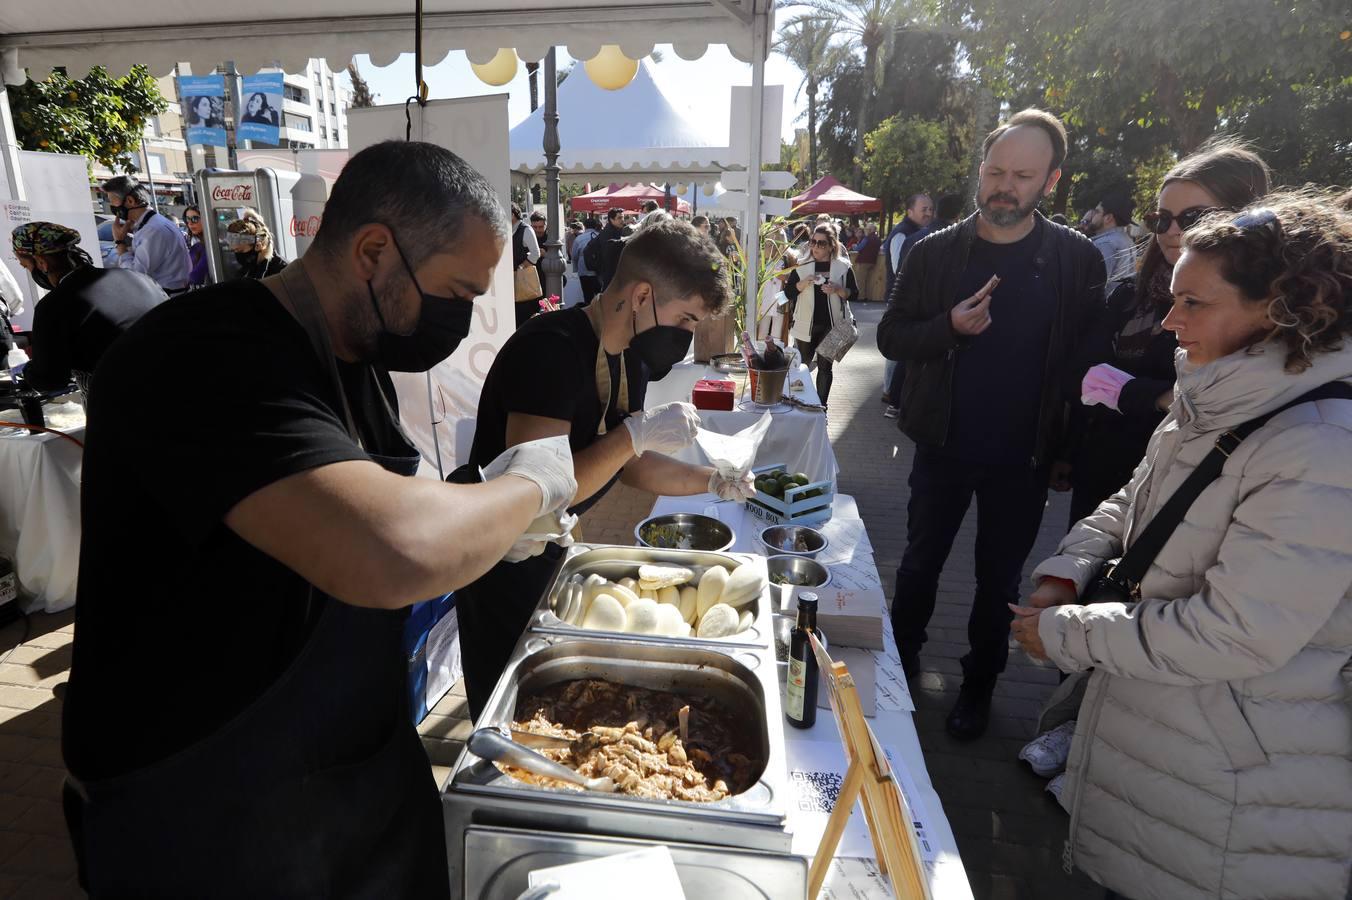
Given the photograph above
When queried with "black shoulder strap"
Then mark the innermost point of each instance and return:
(1133, 566)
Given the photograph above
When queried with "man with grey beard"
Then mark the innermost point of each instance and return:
(986, 315)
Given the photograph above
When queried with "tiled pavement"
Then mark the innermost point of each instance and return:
(1009, 831)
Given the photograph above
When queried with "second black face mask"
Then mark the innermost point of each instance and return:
(661, 346)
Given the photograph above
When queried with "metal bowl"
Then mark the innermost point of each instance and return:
(794, 540)
(783, 630)
(684, 531)
(728, 363)
(813, 575)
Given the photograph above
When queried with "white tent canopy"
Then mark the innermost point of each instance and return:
(79, 34)
(621, 135)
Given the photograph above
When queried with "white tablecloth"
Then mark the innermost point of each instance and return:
(796, 438)
(40, 515)
(850, 876)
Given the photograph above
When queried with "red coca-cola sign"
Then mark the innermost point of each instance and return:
(234, 192)
(307, 228)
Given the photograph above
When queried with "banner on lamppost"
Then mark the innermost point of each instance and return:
(261, 112)
(204, 108)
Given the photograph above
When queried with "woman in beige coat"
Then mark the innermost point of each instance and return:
(1213, 753)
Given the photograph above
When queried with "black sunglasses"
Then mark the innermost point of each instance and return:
(817, 243)
(1159, 220)
(192, 218)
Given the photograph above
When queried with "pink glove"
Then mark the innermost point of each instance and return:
(1103, 384)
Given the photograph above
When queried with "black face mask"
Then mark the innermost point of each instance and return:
(442, 324)
(41, 279)
(247, 260)
(661, 346)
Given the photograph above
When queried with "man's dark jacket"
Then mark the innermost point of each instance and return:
(916, 328)
(611, 243)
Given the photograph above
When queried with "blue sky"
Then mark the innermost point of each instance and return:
(696, 87)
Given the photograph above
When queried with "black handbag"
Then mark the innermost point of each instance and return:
(1119, 581)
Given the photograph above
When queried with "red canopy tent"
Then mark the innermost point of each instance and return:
(625, 196)
(830, 196)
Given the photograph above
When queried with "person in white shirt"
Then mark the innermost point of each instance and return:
(146, 241)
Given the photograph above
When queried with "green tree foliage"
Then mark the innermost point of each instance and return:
(806, 41)
(99, 116)
(362, 98)
(904, 156)
(871, 27)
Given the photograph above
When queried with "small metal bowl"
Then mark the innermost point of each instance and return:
(684, 531)
(728, 363)
(814, 575)
(783, 625)
(787, 539)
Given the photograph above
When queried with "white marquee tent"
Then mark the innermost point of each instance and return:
(621, 135)
(79, 34)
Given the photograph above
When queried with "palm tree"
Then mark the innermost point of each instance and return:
(805, 41)
(872, 24)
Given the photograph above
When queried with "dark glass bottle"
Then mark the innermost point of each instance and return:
(800, 691)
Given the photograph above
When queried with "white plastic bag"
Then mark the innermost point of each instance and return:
(733, 455)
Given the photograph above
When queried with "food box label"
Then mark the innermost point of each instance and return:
(9, 588)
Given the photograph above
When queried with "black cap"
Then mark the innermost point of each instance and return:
(807, 598)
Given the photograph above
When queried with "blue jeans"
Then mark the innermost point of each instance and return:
(1009, 504)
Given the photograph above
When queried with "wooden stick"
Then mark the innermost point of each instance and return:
(835, 827)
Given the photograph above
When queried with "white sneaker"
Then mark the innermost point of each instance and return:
(1047, 753)
(1055, 787)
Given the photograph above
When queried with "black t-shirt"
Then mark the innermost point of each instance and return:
(79, 320)
(180, 624)
(997, 380)
(548, 368)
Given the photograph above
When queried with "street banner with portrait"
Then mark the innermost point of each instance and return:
(204, 108)
(260, 118)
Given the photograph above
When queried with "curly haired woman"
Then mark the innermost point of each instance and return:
(1213, 752)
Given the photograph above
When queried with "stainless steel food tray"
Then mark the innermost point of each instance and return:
(501, 860)
(615, 562)
(744, 679)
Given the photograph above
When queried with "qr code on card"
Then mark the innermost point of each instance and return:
(817, 791)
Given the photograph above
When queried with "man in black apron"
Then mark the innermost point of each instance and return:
(250, 550)
(583, 372)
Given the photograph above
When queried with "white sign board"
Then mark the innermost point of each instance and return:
(475, 129)
(57, 185)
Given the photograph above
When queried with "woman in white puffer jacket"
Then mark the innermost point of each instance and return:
(1213, 752)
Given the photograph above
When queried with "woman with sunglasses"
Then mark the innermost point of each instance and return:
(197, 248)
(820, 288)
(1212, 755)
(1129, 358)
(1129, 355)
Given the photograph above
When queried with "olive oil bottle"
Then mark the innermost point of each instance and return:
(800, 691)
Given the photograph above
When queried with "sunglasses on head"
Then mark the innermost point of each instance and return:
(1159, 220)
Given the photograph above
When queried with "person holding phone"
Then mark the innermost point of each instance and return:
(820, 289)
(987, 316)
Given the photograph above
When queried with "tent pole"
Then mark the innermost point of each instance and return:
(760, 26)
(12, 182)
(552, 264)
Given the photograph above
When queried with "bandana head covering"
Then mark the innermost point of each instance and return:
(41, 238)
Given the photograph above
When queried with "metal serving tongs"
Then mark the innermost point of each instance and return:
(581, 745)
(492, 745)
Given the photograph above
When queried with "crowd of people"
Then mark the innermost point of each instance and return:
(1192, 390)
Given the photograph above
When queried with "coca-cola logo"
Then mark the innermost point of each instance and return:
(305, 227)
(234, 192)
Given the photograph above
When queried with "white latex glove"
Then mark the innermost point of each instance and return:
(547, 462)
(669, 428)
(551, 528)
(737, 487)
(1103, 384)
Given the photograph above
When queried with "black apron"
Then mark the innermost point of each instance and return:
(494, 610)
(321, 788)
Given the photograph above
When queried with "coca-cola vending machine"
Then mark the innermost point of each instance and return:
(291, 203)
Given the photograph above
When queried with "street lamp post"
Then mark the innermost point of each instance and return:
(552, 265)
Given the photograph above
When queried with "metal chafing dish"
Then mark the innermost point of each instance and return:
(615, 562)
(743, 679)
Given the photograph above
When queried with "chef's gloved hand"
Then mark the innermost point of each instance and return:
(550, 528)
(547, 462)
(734, 487)
(1103, 384)
(668, 429)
